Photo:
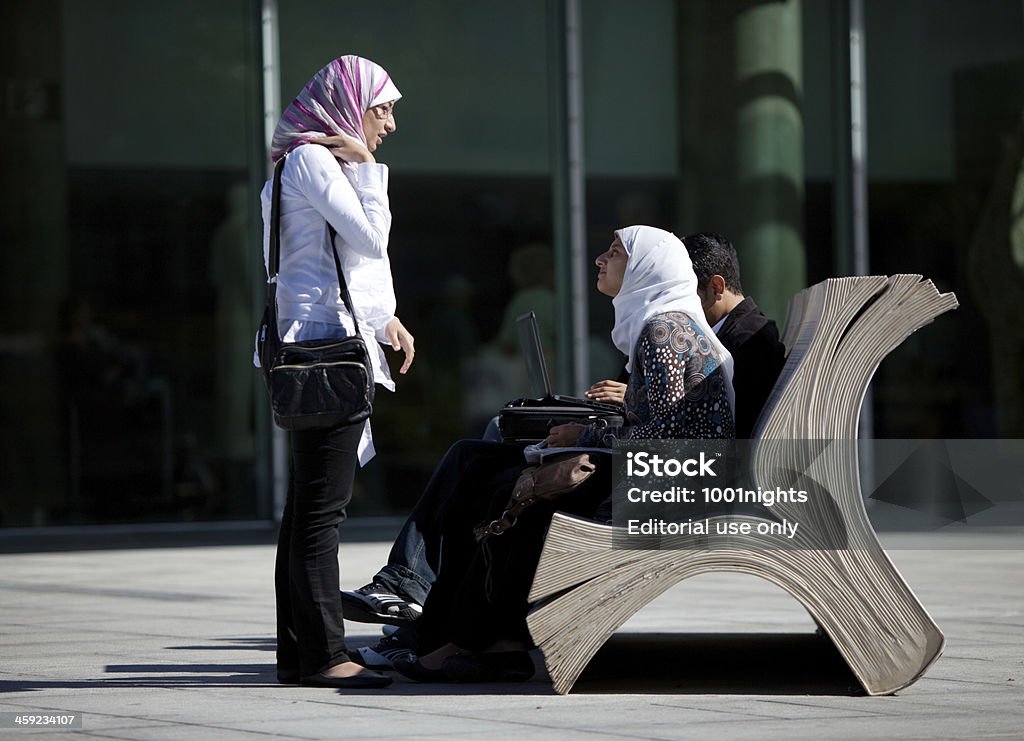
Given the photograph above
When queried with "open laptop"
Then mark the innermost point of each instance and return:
(537, 368)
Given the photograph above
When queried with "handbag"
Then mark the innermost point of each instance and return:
(313, 384)
(558, 475)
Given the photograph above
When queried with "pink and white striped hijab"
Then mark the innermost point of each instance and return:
(333, 103)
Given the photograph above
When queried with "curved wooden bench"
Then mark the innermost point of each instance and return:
(837, 333)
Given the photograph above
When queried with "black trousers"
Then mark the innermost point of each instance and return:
(480, 595)
(310, 630)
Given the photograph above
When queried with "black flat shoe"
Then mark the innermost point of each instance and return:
(285, 676)
(410, 667)
(364, 680)
(501, 666)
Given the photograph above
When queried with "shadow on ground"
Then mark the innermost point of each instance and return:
(657, 664)
(719, 663)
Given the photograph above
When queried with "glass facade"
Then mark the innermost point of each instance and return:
(133, 150)
(131, 141)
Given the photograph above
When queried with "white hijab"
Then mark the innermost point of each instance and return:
(659, 278)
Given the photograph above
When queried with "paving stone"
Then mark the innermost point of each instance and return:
(178, 643)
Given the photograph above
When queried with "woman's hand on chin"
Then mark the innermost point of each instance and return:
(345, 148)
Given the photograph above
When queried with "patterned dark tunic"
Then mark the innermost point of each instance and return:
(676, 389)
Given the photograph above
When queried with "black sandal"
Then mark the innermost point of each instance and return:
(375, 603)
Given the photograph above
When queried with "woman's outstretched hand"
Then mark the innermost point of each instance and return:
(401, 339)
(345, 148)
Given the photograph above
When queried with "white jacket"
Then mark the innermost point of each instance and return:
(354, 199)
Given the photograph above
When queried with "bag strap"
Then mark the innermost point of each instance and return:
(345, 297)
(274, 254)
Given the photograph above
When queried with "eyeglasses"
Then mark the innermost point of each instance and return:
(383, 110)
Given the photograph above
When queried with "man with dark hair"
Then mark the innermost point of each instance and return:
(751, 337)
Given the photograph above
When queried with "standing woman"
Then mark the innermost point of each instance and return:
(330, 179)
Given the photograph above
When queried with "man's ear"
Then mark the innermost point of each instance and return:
(717, 284)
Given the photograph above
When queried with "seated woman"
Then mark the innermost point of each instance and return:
(473, 626)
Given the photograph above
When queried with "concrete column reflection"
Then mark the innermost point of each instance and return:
(769, 151)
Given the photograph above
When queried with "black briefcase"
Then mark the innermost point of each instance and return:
(528, 420)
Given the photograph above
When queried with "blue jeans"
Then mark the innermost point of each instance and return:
(415, 558)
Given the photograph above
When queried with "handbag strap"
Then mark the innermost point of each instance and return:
(345, 297)
(274, 254)
(549, 480)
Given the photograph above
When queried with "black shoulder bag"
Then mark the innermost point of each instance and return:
(313, 384)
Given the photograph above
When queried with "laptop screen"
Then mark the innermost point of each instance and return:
(533, 352)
